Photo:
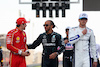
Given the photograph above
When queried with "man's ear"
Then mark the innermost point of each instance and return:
(79, 20)
(52, 26)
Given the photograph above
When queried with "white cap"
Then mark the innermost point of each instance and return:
(68, 27)
(83, 15)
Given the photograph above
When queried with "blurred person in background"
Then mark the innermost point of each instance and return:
(68, 53)
(1, 56)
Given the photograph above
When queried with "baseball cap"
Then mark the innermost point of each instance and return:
(83, 15)
(68, 27)
(21, 20)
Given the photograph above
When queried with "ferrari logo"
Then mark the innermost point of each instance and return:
(24, 34)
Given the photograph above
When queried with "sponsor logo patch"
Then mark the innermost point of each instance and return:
(17, 39)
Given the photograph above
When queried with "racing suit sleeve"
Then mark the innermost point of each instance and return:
(93, 46)
(9, 42)
(35, 43)
(74, 36)
(60, 43)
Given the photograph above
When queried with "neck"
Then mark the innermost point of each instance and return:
(82, 26)
(49, 32)
(67, 36)
(20, 28)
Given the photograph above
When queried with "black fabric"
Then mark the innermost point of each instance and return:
(67, 58)
(47, 50)
(46, 62)
(0, 56)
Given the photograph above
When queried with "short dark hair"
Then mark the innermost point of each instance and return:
(17, 25)
(66, 29)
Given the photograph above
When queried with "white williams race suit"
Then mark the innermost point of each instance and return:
(81, 46)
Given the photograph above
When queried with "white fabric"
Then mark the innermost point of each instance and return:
(82, 46)
(83, 15)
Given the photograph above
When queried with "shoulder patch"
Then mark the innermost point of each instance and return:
(74, 27)
(89, 29)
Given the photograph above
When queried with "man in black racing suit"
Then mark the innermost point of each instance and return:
(50, 40)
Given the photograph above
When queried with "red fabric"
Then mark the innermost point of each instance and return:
(15, 41)
(17, 61)
(21, 20)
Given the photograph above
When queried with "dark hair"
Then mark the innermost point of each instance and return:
(17, 25)
(52, 23)
(66, 29)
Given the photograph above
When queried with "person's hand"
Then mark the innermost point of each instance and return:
(28, 53)
(53, 55)
(25, 54)
(84, 31)
(94, 64)
(66, 41)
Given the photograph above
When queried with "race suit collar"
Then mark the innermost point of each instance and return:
(82, 28)
(19, 29)
(50, 33)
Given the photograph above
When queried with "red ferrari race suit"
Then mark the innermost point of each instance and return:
(16, 41)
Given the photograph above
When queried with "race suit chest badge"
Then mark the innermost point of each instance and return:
(17, 39)
(44, 40)
(24, 34)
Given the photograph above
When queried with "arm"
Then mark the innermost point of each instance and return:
(11, 47)
(35, 43)
(75, 36)
(9, 42)
(59, 43)
(93, 46)
(93, 49)
(26, 47)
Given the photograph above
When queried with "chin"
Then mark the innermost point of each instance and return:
(24, 29)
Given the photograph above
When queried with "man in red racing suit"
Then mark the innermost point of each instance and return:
(16, 43)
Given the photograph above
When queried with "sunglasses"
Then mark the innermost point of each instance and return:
(46, 25)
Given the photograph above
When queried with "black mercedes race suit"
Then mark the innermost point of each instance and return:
(67, 54)
(50, 43)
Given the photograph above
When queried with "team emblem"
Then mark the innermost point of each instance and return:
(18, 39)
(24, 34)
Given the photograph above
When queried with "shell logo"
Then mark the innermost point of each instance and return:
(18, 38)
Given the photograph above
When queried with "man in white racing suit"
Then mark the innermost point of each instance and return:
(81, 37)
